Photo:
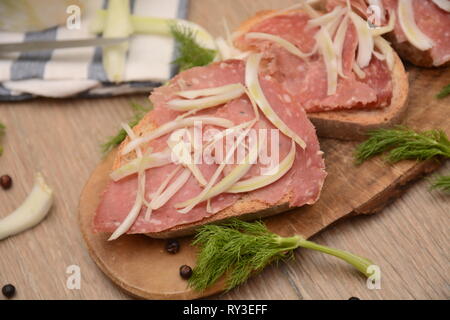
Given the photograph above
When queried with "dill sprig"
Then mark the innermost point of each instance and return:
(238, 249)
(190, 53)
(2, 133)
(114, 141)
(402, 143)
(444, 92)
(441, 183)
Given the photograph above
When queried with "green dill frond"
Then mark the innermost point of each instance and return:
(444, 92)
(2, 133)
(191, 54)
(402, 143)
(114, 141)
(236, 249)
(441, 183)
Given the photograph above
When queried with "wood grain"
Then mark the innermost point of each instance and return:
(409, 239)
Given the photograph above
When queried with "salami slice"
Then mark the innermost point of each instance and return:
(306, 80)
(303, 181)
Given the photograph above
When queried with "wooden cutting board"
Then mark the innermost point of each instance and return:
(140, 266)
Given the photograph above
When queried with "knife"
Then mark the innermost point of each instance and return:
(55, 44)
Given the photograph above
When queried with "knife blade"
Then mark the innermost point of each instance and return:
(56, 44)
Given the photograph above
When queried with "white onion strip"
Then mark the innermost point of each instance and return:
(181, 151)
(154, 160)
(326, 47)
(140, 194)
(160, 190)
(386, 50)
(358, 71)
(208, 102)
(174, 125)
(193, 94)
(190, 204)
(290, 47)
(171, 190)
(443, 4)
(256, 93)
(265, 180)
(31, 212)
(412, 32)
(365, 40)
(387, 28)
(338, 44)
(325, 19)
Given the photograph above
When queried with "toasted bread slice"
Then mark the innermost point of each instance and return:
(244, 208)
(354, 124)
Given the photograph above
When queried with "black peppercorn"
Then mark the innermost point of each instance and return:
(353, 298)
(172, 246)
(5, 182)
(8, 291)
(185, 272)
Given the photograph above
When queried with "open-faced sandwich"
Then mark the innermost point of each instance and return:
(179, 168)
(344, 74)
(421, 33)
(233, 139)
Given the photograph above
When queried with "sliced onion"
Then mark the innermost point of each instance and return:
(412, 32)
(206, 192)
(256, 93)
(193, 94)
(338, 44)
(365, 40)
(265, 180)
(174, 125)
(182, 153)
(333, 25)
(154, 160)
(358, 71)
(140, 194)
(386, 50)
(208, 102)
(443, 4)
(171, 190)
(228, 51)
(326, 47)
(387, 28)
(224, 134)
(290, 47)
(31, 212)
(160, 190)
(379, 4)
(325, 19)
(313, 13)
(379, 56)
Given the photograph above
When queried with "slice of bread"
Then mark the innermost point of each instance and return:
(245, 208)
(354, 124)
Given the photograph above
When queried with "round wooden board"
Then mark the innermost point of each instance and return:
(136, 263)
(140, 266)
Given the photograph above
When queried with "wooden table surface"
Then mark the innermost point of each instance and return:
(409, 240)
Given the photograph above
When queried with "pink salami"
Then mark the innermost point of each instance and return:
(306, 81)
(304, 180)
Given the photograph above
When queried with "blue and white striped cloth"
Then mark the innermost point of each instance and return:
(79, 72)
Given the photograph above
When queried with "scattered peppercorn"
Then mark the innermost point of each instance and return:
(9, 291)
(185, 272)
(172, 246)
(5, 182)
(354, 298)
